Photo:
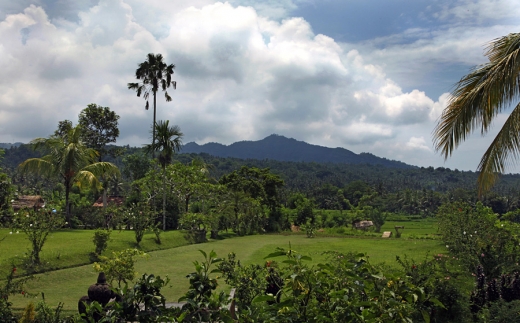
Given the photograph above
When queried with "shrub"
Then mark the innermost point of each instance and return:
(140, 219)
(345, 289)
(474, 235)
(201, 304)
(195, 224)
(142, 302)
(100, 239)
(501, 312)
(37, 225)
(11, 286)
(119, 267)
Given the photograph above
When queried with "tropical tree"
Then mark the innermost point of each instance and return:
(169, 141)
(478, 98)
(99, 128)
(69, 159)
(154, 74)
(188, 180)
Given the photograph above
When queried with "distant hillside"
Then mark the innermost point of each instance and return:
(4, 145)
(276, 147)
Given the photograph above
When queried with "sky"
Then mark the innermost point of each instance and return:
(369, 76)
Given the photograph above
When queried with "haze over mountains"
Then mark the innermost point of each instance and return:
(281, 148)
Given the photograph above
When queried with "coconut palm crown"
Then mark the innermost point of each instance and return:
(478, 98)
(69, 159)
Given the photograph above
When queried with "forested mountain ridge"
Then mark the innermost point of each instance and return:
(4, 145)
(309, 176)
(413, 187)
(276, 147)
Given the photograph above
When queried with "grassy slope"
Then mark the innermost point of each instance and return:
(68, 285)
(68, 248)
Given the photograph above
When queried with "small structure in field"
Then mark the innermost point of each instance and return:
(111, 200)
(362, 224)
(34, 202)
(387, 234)
(295, 228)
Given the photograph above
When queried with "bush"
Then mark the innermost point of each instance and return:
(11, 286)
(474, 235)
(195, 224)
(501, 312)
(100, 239)
(119, 267)
(37, 225)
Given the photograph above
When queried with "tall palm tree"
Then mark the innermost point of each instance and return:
(154, 74)
(70, 160)
(169, 141)
(477, 99)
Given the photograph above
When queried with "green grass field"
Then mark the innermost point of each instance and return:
(69, 284)
(71, 248)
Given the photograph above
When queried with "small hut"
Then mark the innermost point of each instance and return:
(363, 225)
(34, 202)
(111, 200)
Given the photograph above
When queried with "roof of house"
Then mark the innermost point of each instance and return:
(28, 201)
(117, 200)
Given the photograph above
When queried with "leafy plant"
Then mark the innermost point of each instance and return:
(37, 225)
(11, 286)
(140, 219)
(195, 224)
(119, 267)
(201, 304)
(101, 238)
(157, 231)
(142, 302)
(475, 236)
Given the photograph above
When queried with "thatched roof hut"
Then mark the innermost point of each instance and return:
(364, 224)
(114, 200)
(28, 202)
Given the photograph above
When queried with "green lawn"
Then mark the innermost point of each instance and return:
(68, 285)
(70, 248)
(424, 228)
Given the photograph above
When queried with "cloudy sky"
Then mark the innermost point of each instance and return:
(368, 76)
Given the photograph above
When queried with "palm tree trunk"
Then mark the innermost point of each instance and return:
(164, 201)
(104, 198)
(153, 153)
(67, 206)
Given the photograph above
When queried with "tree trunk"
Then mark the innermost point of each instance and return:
(104, 198)
(164, 200)
(67, 206)
(187, 203)
(153, 157)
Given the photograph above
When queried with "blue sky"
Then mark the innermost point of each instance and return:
(368, 76)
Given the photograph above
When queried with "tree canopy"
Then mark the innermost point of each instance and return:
(100, 127)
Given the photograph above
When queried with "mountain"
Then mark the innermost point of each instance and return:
(4, 145)
(281, 148)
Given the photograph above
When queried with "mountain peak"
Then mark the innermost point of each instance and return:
(278, 147)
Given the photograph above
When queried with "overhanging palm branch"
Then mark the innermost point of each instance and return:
(477, 99)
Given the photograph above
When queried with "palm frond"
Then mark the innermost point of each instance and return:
(504, 149)
(85, 178)
(102, 169)
(39, 166)
(477, 99)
